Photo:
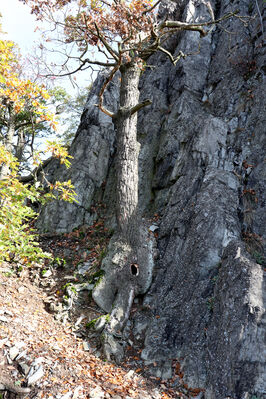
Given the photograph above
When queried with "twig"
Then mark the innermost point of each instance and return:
(12, 388)
(113, 53)
(174, 60)
(151, 8)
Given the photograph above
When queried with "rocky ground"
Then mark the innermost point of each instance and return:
(48, 348)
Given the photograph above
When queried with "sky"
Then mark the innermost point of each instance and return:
(20, 25)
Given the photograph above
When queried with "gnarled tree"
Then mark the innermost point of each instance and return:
(123, 35)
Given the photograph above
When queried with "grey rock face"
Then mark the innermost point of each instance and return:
(236, 335)
(92, 149)
(201, 168)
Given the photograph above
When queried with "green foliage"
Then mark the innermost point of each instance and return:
(24, 112)
(59, 97)
(18, 240)
(70, 109)
(58, 262)
(96, 277)
(210, 303)
(259, 258)
(91, 324)
(71, 287)
(102, 254)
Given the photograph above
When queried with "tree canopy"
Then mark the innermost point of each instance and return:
(113, 33)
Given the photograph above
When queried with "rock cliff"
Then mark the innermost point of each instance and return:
(201, 169)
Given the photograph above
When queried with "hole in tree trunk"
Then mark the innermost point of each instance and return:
(134, 268)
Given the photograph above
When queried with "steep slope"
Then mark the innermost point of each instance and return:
(201, 169)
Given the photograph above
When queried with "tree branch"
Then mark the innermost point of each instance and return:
(184, 26)
(3, 122)
(174, 60)
(12, 388)
(24, 125)
(104, 64)
(105, 110)
(83, 63)
(107, 81)
(151, 8)
(140, 105)
(36, 171)
(195, 26)
(208, 5)
(107, 46)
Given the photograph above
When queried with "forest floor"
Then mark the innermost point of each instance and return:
(45, 342)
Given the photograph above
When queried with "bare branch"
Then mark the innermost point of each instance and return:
(151, 8)
(80, 68)
(3, 122)
(36, 171)
(104, 64)
(32, 134)
(184, 26)
(195, 26)
(107, 81)
(107, 46)
(24, 125)
(140, 105)
(208, 5)
(105, 110)
(174, 60)
(106, 3)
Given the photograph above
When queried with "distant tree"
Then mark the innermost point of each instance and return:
(23, 112)
(68, 110)
(23, 104)
(18, 240)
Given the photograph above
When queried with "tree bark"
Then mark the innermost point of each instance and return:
(127, 154)
(8, 142)
(129, 263)
(20, 145)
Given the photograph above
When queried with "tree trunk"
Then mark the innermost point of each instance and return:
(127, 154)
(4, 170)
(20, 145)
(129, 262)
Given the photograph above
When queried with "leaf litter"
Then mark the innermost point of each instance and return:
(51, 353)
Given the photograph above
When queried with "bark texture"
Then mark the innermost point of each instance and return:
(8, 142)
(127, 153)
(201, 167)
